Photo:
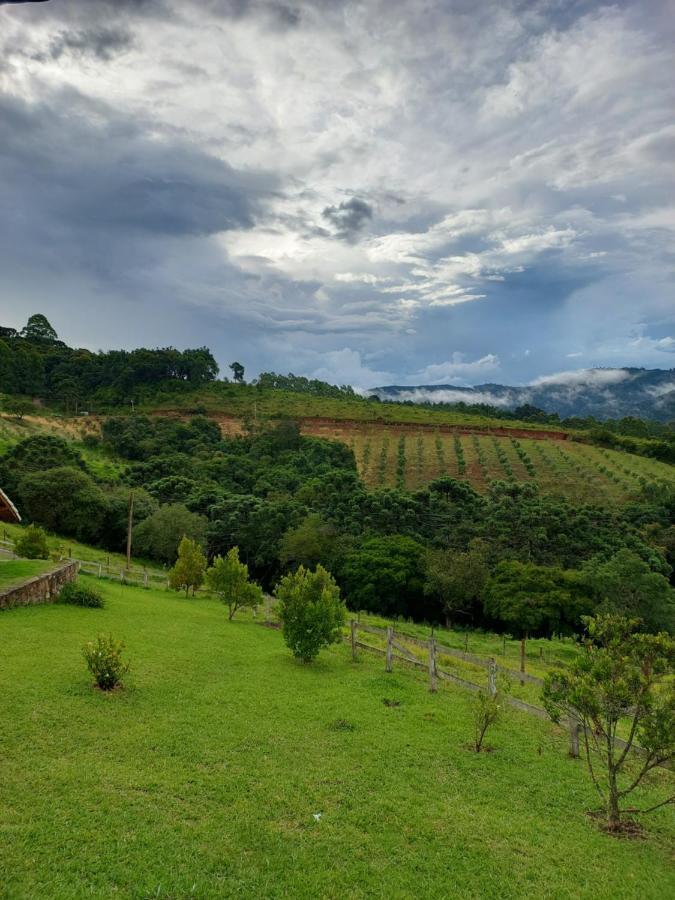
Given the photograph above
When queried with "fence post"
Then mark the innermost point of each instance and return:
(352, 628)
(522, 658)
(145, 577)
(268, 604)
(390, 649)
(492, 677)
(432, 665)
(100, 570)
(122, 576)
(575, 728)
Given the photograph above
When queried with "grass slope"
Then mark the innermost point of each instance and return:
(249, 401)
(14, 571)
(202, 778)
(67, 547)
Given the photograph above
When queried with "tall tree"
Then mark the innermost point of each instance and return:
(625, 585)
(237, 372)
(228, 579)
(622, 676)
(37, 328)
(457, 578)
(308, 543)
(188, 572)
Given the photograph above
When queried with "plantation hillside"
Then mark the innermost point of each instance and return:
(226, 768)
(407, 448)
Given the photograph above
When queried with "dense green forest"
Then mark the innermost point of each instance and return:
(510, 559)
(35, 363)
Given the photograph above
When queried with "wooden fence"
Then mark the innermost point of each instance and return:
(141, 577)
(395, 649)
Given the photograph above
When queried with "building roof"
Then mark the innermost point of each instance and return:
(8, 512)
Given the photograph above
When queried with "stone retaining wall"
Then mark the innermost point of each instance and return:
(41, 589)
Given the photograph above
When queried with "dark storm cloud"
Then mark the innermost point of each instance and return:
(349, 217)
(58, 162)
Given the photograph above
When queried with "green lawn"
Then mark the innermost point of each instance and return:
(65, 546)
(14, 571)
(202, 778)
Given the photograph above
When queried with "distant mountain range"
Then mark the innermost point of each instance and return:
(602, 393)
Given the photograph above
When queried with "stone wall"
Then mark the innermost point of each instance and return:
(41, 589)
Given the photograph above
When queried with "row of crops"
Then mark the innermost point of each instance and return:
(387, 457)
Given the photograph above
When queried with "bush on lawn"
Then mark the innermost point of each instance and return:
(78, 594)
(33, 543)
(104, 659)
(311, 611)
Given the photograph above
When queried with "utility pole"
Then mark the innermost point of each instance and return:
(130, 525)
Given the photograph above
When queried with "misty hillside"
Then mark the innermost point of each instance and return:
(602, 393)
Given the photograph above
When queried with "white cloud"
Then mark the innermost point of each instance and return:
(662, 390)
(585, 377)
(457, 369)
(420, 395)
(537, 242)
(345, 366)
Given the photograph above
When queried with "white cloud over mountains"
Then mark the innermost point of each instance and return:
(479, 181)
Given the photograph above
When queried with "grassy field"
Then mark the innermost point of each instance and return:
(248, 401)
(204, 777)
(14, 571)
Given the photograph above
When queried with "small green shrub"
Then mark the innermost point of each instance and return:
(104, 660)
(487, 710)
(33, 543)
(77, 594)
(311, 611)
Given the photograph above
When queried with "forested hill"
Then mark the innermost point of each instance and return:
(601, 393)
(413, 509)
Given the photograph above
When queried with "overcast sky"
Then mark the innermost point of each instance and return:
(409, 191)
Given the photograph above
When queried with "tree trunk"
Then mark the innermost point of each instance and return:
(613, 811)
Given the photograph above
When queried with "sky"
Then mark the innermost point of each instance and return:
(375, 192)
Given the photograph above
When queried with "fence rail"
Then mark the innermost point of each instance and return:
(395, 649)
(132, 575)
(473, 658)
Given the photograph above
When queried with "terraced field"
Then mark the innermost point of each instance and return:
(390, 456)
(410, 455)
